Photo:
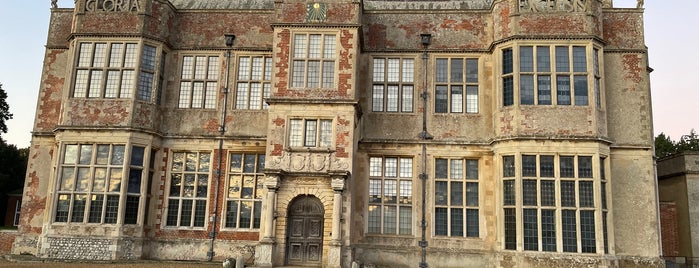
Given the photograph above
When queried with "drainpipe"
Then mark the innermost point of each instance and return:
(425, 39)
(222, 131)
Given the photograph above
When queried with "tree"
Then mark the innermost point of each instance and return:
(688, 142)
(665, 146)
(4, 112)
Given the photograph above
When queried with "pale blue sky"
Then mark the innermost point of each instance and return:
(671, 36)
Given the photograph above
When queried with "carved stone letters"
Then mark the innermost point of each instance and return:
(112, 5)
(553, 5)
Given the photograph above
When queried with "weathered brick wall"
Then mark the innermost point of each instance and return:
(7, 238)
(668, 227)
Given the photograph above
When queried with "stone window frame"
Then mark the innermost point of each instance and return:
(142, 59)
(397, 73)
(121, 184)
(236, 196)
(299, 137)
(450, 80)
(18, 210)
(253, 74)
(196, 69)
(299, 59)
(403, 189)
(513, 207)
(512, 73)
(451, 204)
(199, 198)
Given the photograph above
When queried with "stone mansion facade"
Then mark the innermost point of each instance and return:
(343, 133)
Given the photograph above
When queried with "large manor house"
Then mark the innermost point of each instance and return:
(344, 133)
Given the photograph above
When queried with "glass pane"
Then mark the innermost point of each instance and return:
(457, 169)
(529, 165)
(440, 168)
(137, 155)
(248, 187)
(531, 229)
(79, 204)
(131, 210)
(579, 59)
(546, 166)
(472, 227)
(83, 180)
(68, 179)
(134, 185)
(188, 187)
(236, 163)
(529, 192)
(390, 191)
(440, 218)
(526, 89)
(457, 99)
(115, 176)
(568, 193)
(509, 192)
(567, 166)
(117, 155)
(249, 163)
(111, 209)
(102, 154)
(456, 194)
(406, 220)
(587, 231)
(245, 214)
(471, 169)
(507, 61)
(563, 90)
(100, 180)
(457, 222)
(580, 89)
(442, 71)
(586, 194)
(526, 59)
(510, 228)
(191, 162)
(232, 214)
(175, 185)
(584, 167)
(568, 221)
(186, 216)
(71, 154)
(548, 230)
(96, 204)
(472, 70)
(472, 194)
(200, 213)
(374, 219)
(172, 212)
(62, 208)
(543, 59)
(508, 98)
(544, 89)
(406, 192)
(457, 71)
(389, 220)
(440, 192)
(562, 59)
(441, 99)
(374, 191)
(548, 192)
(391, 167)
(85, 154)
(508, 166)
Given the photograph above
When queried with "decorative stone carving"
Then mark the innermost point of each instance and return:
(338, 183)
(553, 5)
(639, 4)
(113, 5)
(272, 182)
(298, 162)
(54, 3)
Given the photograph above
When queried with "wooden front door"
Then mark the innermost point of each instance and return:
(304, 243)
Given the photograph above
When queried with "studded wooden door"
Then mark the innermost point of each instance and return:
(304, 244)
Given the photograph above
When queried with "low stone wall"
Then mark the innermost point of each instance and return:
(69, 248)
(7, 238)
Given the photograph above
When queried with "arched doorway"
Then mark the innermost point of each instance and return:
(304, 241)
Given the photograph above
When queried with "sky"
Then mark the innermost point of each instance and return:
(670, 37)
